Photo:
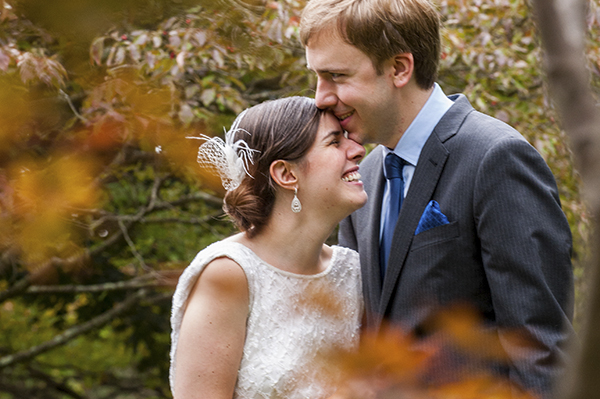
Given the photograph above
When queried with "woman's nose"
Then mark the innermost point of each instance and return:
(356, 151)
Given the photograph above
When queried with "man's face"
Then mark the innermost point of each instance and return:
(349, 86)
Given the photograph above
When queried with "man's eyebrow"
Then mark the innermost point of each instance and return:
(322, 71)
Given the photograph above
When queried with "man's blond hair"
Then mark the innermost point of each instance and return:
(381, 29)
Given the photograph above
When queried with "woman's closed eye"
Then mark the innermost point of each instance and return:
(336, 138)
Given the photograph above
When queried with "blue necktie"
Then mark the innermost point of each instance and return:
(393, 171)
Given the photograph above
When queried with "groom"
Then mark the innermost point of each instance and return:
(461, 208)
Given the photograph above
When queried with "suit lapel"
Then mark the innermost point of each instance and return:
(425, 179)
(368, 222)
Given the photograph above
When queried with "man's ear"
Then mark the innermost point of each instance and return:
(283, 174)
(404, 65)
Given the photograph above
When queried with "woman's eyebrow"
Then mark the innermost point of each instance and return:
(332, 133)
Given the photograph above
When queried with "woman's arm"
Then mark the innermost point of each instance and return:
(213, 330)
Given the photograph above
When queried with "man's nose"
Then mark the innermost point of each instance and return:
(325, 97)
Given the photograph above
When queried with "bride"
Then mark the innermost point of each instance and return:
(249, 319)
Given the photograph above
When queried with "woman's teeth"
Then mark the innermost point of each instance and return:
(354, 176)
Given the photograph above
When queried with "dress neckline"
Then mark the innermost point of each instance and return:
(334, 255)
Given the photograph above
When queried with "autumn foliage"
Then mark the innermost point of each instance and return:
(102, 205)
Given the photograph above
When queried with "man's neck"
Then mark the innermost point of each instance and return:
(412, 101)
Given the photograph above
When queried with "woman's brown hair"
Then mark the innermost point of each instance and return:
(278, 129)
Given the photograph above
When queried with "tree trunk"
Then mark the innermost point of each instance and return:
(561, 23)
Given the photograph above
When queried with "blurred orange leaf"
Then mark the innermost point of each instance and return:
(484, 387)
(466, 329)
(391, 355)
(64, 183)
(45, 197)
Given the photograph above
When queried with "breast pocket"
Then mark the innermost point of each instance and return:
(435, 235)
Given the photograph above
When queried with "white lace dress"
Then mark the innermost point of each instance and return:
(292, 319)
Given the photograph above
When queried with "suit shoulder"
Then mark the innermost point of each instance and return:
(482, 131)
(486, 125)
(465, 126)
(373, 159)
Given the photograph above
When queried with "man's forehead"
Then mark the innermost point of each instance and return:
(319, 52)
(328, 33)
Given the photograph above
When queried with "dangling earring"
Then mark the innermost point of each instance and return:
(296, 205)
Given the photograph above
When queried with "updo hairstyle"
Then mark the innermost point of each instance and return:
(279, 129)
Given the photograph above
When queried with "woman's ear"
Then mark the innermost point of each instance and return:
(403, 65)
(283, 174)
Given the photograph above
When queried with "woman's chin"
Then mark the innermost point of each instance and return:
(357, 204)
(362, 201)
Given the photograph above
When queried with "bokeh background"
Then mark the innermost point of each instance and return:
(101, 202)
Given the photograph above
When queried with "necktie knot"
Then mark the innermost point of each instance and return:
(393, 166)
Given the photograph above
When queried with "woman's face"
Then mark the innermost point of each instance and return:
(328, 177)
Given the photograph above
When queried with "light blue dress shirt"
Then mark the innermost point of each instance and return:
(412, 141)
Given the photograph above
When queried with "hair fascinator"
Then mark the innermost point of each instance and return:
(230, 160)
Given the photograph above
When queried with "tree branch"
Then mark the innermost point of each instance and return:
(51, 382)
(131, 244)
(124, 220)
(199, 196)
(196, 221)
(41, 271)
(158, 206)
(73, 332)
(16, 392)
(142, 282)
(159, 298)
(154, 192)
(77, 114)
(15, 290)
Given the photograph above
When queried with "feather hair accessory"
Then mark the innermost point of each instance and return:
(229, 159)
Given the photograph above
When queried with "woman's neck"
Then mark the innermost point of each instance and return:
(292, 242)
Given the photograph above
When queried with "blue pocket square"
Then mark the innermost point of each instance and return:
(432, 217)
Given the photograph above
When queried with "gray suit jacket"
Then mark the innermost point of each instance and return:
(505, 251)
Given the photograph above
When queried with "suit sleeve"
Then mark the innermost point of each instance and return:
(346, 235)
(526, 253)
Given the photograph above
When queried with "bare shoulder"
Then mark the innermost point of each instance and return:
(224, 272)
(224, 279)
(211, 338)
